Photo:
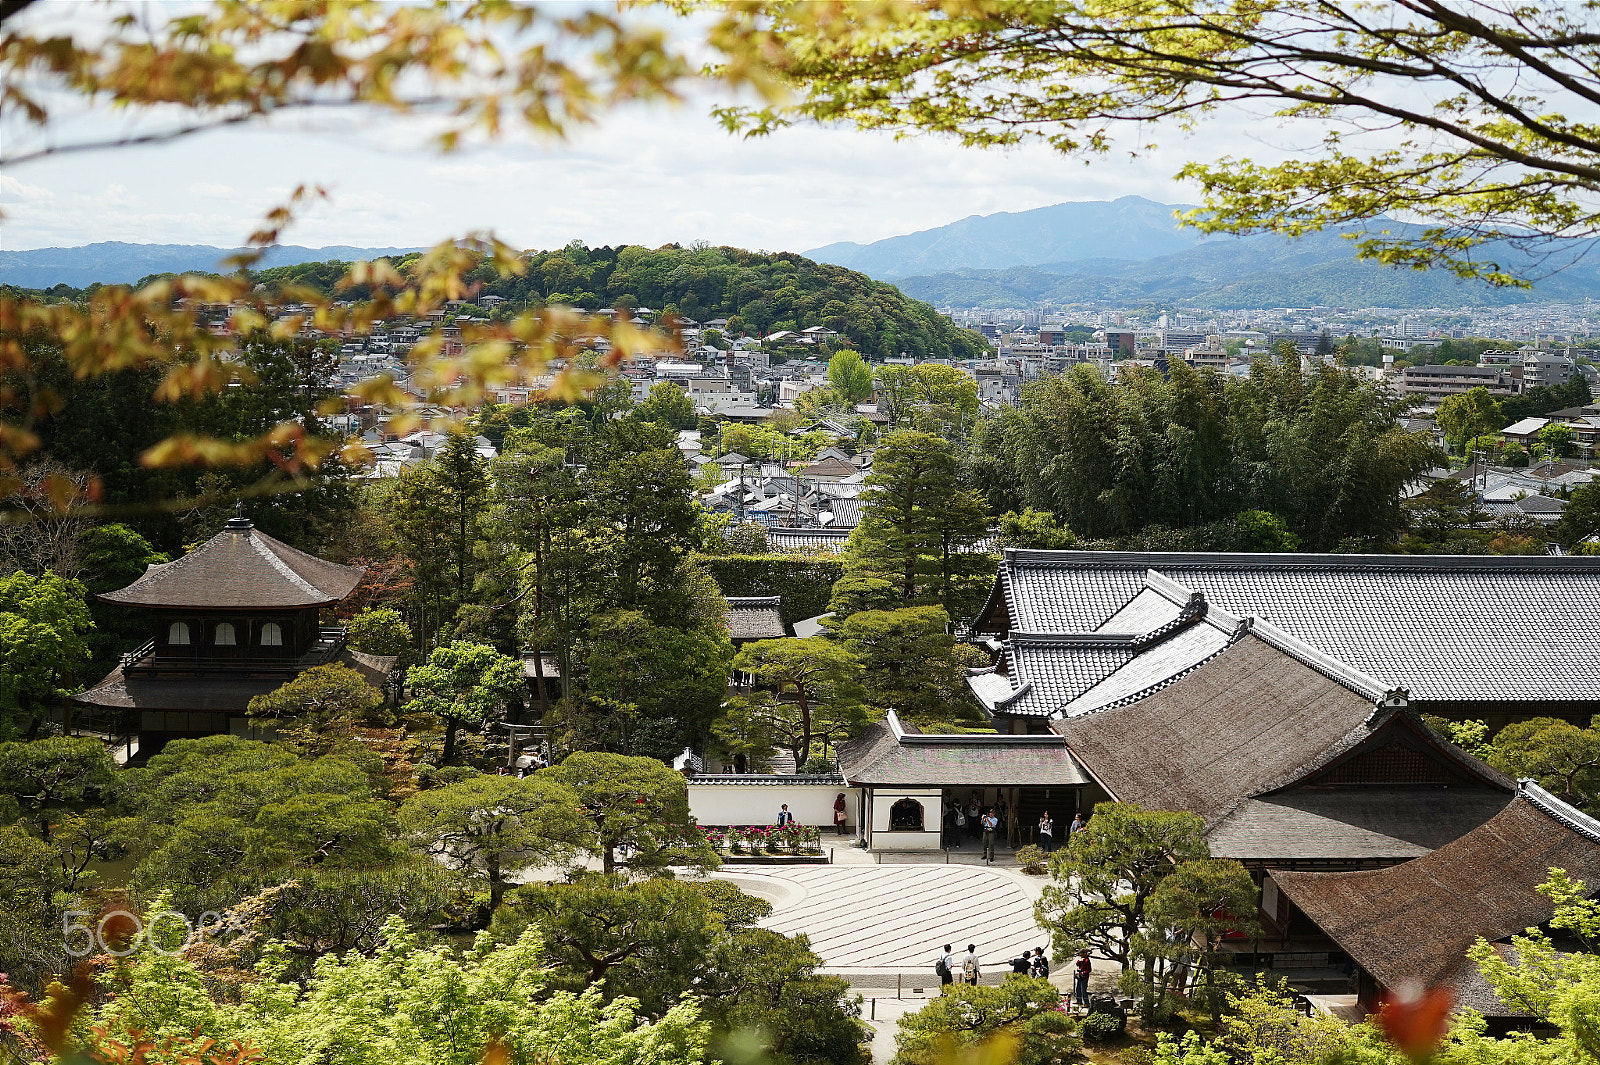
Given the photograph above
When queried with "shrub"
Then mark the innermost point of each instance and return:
(818, 766)
(958, 1023)
(1033, 859)
(1101, 1027)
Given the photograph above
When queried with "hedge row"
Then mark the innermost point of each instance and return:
(804, 581)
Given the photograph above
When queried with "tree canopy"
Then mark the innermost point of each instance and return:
(1322, 449)
(1485, 140)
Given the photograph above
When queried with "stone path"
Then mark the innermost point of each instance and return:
(888, 919)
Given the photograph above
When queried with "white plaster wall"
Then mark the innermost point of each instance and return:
(932, 807)
(757, 804)
(905, 841)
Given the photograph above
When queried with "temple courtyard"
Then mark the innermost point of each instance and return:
(883, 925)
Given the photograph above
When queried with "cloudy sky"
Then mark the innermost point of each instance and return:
(645, 177)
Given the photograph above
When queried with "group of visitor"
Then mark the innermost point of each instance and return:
(973, 819)
(841, 815)
(1035, 964)
(1047, 831)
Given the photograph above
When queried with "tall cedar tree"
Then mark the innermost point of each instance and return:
(918, 516)
(436, 508)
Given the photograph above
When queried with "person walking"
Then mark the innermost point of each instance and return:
(784, 816)
(945, 965)
(840, 814)
(990, 824)
(1080, 979)
(970, 970)
(1047, 833)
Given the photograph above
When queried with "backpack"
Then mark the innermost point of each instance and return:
(961, 819)
(969, 968)
(1039, 968)
(941, 968)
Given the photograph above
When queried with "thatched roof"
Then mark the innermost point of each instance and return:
(1415, 921)
(1266, 715)
(887, 753)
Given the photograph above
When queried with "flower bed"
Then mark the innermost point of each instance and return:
(792, 842)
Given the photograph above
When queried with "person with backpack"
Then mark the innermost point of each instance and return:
(944, 966)
(970, 971)
(1039, 967)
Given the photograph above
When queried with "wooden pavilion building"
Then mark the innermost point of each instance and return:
(237, 617)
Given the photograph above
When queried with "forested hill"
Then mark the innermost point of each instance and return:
(758, 292)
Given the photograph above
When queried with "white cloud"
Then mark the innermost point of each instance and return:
(645, 177)
(12, 190)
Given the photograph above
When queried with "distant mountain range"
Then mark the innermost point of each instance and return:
(1128, 228)
(116, 263)
(1132, 250)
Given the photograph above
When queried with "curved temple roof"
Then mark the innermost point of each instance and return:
(1446, 628)
(241, 567)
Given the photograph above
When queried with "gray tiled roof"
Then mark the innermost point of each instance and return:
(1162, 632)
(789, 779)
(1158, 666)
(1445, 628)
(548, 665)
(788, 538)
(846, 513)
(756, 617)
(1055, 673)
(241, 567)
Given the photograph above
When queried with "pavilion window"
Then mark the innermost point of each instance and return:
(225, 636)
(272, 634)
(178, 633)
(905, 816)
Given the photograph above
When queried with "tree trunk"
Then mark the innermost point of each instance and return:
(497, 884)
(805, 731)
(450, 726)
(1147, 1011)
